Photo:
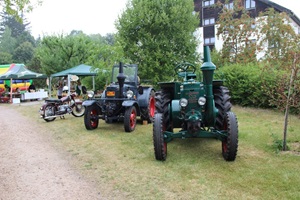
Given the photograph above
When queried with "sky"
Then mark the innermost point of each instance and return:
(63, 16)
(91, 16)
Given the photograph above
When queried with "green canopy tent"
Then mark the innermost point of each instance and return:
(80, 70)
(19, 72)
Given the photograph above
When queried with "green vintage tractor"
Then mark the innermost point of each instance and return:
(196, 109)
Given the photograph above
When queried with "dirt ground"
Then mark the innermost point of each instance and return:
(32, 168)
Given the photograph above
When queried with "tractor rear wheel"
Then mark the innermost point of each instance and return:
(91, 119)
(130, 119)
(148, 113)
(222, 103)
(162, 102)
(230, 144)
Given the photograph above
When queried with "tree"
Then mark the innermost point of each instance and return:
(5, 58)
(8, 43)
(158, 34)
(237, 29)
(282, 58)
(15, 7)
(57, 53)
(104, 55)
(23, 53)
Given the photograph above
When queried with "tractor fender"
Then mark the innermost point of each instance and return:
(143, 99)
(87, 103)
(132, 103)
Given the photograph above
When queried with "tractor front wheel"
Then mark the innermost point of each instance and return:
(160, 146)
(230, 144)
(91, 119)
(130, 119)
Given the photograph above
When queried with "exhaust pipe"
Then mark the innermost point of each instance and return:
(208, 69)
(121, 79)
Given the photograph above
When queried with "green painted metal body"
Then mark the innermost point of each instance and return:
(195, 120)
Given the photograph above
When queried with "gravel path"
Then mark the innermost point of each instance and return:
(31, 168)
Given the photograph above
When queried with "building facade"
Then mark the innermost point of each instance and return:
(209, 16)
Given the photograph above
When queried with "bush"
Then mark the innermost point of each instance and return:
(246, 84)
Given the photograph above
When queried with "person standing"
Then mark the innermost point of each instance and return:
(31, 88)
(59, 90)
(78, 88)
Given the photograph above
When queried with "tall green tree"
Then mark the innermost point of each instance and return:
(57, 53)
(157, 34)
(23, 53)
(8, 43)
(236, 28)
(276, 34)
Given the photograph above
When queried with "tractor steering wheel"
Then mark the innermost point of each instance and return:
(185, 67)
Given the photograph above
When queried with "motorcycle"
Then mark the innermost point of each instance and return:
(53, 108)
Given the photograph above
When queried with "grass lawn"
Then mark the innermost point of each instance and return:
(124, 163)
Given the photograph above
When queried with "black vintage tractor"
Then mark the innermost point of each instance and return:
(123, 100)
(198, 109)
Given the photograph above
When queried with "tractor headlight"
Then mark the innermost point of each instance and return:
(129, 94)
(202, 101)
(183, 102)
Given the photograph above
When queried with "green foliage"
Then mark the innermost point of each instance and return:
(276, 34)
(157, 35)
(245, 84)
(278, 143)
(5, 58)
(23, 53)
(236, 30)
(8, 43)
(57, 53)
(15, 7)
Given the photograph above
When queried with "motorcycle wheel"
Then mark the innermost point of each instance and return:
(91, 120)
(49, 111)
(78, 110)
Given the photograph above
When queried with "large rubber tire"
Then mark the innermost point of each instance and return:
(91, 120)
(162, 102)
(49, 111)
(130, 119)
(161, 124)
(222, 103)
(230, 144)
(160, 146)
(78, 110)
(148, 113)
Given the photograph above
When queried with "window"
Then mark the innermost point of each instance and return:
(229, 6)
(210, 40)
(208, 3)
(209, 21)
(249, 4)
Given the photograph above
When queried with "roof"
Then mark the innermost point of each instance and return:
(19, 71)
(80, 70)
(282, 9)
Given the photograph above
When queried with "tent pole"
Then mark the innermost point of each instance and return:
(93, 83)
(49, 86)
(69, 83)
(11, 90)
